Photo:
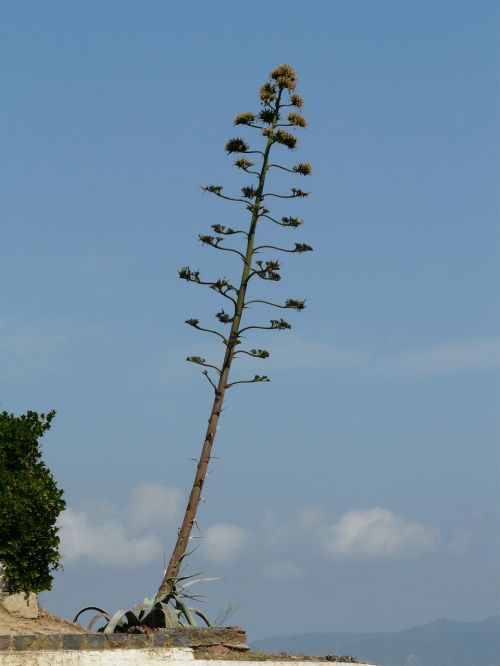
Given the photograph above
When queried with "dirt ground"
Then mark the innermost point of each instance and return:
(46, 623)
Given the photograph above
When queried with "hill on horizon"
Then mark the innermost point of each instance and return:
(438, 643)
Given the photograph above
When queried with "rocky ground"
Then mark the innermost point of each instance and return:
(45, 623)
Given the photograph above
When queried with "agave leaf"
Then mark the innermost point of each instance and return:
(132, 619)
(171, 616)
(186, 612)
(198, 612)
(138, 610)
(100, 610)
(198, 580)
(190, 576)
(97, 617)
(114, 622)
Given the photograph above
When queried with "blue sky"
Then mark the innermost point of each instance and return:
(359, 489)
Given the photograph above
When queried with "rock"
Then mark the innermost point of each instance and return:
(22, 604)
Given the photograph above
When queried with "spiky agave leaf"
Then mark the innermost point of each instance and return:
(171, 616)
(115, 621)
(96, 618)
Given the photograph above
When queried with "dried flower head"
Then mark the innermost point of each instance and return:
(280, 324)
(221, 229)
(259, 353)
(285, 138)
(296, 100)
(196, 359)
(236, 146)
(266, 115)
(214, 189)
(299, 193)
(285, 77)
(302, 247)
(210, 240)
(187, 274)
(267, 93)
(294, 304)
(223, 317)
(249, 192)
(304, 168)
(291, 221)
(244, 118)
(297, 119)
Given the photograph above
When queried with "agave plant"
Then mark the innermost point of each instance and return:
(172, 610)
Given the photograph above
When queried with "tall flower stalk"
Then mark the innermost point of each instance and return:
(279, 113)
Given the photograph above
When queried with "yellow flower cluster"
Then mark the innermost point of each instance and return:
(285, 77)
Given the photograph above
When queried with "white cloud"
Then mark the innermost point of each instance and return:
(153, 504)
(283, 571)
(105, 542)
(113, 535)
(223, 543)
(377, 534)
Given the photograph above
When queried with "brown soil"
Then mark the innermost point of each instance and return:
(46, 623)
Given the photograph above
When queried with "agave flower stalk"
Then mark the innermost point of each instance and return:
(276, 95)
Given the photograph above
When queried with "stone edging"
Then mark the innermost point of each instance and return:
(232, 638)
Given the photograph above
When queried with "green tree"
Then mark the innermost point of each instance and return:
(30, 505)
(279, 113)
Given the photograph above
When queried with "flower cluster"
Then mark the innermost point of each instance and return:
(297, 119)
(267, 93)
(196, 359)
(299, 193)
(187, 274)
(244, 118)
(221, 229)
(304, 168)
(259, 353)
(269, 270)
(222, 285)
(223, 317)
(243, 163)
(236, 146)
(249, 192)
(285, 138)
(280, 324)
(302, 247)
(214, 189)
(294, 304)
(266, 115)
(285, 77)
(210, 240)
(291, 221)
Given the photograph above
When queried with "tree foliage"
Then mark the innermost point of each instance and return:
(30, 505)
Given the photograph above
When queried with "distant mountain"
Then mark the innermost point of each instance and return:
(439, 643)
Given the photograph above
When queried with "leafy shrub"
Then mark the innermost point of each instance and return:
(30, 503)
